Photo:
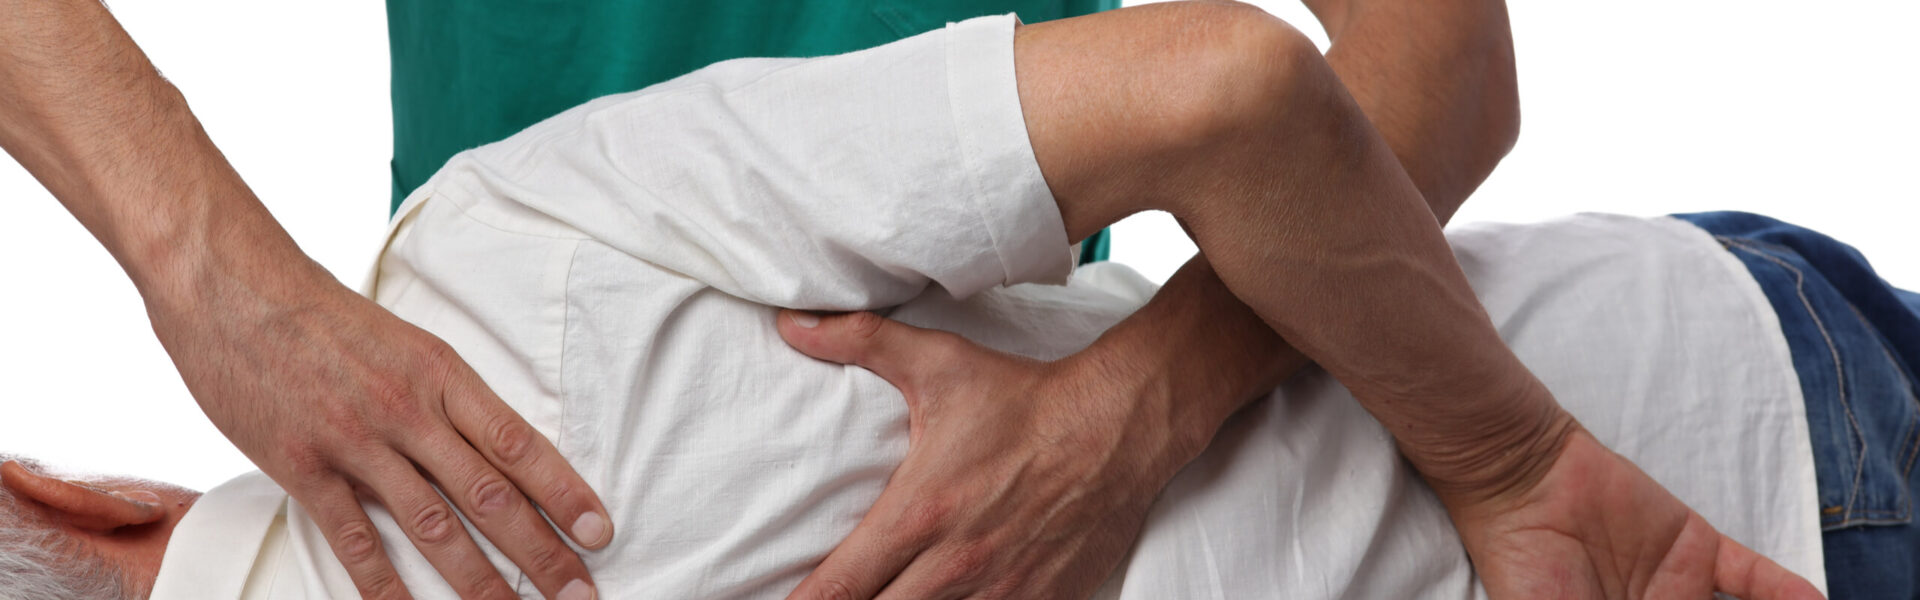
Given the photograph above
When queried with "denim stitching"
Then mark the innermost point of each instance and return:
(1752, 244)
(1913, 396)
(1913, 441)
(1799, 285)
(1913, 446)
(1903, 514)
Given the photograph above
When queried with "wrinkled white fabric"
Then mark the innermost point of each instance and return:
(611, 272)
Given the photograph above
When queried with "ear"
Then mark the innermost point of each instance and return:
(79, 504)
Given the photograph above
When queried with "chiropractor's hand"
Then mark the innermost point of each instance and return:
(328, 393)
(1022, 478)
(334, 397)
(1595, 526)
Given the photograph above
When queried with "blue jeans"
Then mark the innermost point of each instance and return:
(1855, 342)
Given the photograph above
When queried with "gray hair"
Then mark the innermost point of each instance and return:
(38, 562)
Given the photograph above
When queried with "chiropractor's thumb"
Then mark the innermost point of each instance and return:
(896, 352)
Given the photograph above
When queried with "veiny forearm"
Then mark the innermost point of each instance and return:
(1436, 79)
(1442, 98)
(1193, 356)
(84, 111)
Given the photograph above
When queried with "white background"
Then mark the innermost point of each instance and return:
(1801, 110)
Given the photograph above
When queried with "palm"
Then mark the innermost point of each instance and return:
(1595, 526)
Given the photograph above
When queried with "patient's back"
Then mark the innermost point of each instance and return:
(732, 464)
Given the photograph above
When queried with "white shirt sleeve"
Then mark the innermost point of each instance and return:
(839, 183)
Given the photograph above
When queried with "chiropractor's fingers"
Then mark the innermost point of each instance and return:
(888, 539)
(502, 513)
(433, 526)
(1743, 573)
(899, 353)
(527, 458)
(331, 501)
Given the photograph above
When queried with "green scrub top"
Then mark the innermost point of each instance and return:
(470, 72)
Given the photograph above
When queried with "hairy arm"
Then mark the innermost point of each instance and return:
(324, 390)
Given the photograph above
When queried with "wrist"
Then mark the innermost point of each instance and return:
(1118, 400)
(1182, 365)
(219, 256)
(1492, 455)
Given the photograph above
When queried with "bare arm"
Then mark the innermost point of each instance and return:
(326, 391)
(1436, 78)
(1230, 121)
(1308, 217)
(1171, 374)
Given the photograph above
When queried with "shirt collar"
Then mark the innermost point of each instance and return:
(214, 546)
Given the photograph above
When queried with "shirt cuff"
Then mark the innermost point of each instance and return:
(1021, 216)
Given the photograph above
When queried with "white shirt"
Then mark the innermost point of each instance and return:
(611, 273)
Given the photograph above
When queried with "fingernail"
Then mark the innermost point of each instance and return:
(806, 320)
(590, 530)
(575, 590)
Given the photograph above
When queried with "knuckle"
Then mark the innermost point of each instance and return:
(864, 326)
(967, 562)
(442, 363)
(357, 544)
(493, 496)
(395, 401)
(835, 587)
(385, 585)
(304, 461)
(924, 517)
(390, 390)
(548, 559)
(434, 524)
(483, 583)
(560, 501)
(511, 439)
(438, 355)
(343, 420)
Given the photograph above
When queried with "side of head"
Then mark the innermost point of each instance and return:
(82, 538)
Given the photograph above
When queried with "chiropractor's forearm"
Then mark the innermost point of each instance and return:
(323, 389)
(1309, 217)
(1195, 352)
(1436, 77)
(84, 111)
(1436, 80)
(1442, 98)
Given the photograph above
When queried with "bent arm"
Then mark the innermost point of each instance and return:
(1308, 217)
(1443, 98)
(1302, 209)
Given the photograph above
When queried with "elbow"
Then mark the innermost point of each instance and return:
(1237, 66)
